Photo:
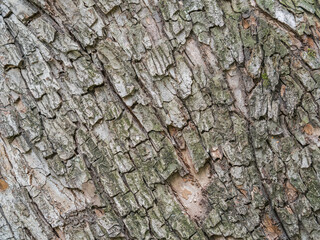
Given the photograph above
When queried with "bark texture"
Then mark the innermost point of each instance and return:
(159, 119)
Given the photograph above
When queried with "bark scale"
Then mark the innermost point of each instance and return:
(154, 119)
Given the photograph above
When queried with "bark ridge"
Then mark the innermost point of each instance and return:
(159, 119)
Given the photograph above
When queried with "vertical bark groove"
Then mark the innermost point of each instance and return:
(152, 119)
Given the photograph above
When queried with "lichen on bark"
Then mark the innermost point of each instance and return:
(159, 119)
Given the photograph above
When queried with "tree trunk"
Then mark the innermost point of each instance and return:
(159, 119)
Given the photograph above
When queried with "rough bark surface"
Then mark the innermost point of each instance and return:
(159, 119)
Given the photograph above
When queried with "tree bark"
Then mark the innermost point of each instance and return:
(159, 119)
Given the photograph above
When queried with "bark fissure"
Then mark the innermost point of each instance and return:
(159, 119)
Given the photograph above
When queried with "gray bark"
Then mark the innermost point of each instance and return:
(159, 119)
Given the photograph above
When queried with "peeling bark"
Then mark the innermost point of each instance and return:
(153, 119)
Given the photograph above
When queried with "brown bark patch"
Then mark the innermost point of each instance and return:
(191, 195)
(190, 190)
(242, 190)
(21, 107)
(99, 213)
(271, 230)
(216, 153)
(316, 29)
(309, 42)
(291, 192)
(3, 185)
(60, 233)
(245, 24)
(310, 130)
(186, 193)
(283, 90)
(89, 191)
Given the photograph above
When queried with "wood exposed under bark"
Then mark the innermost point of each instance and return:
(159, 119)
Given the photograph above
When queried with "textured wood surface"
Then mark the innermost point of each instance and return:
(159, 119)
